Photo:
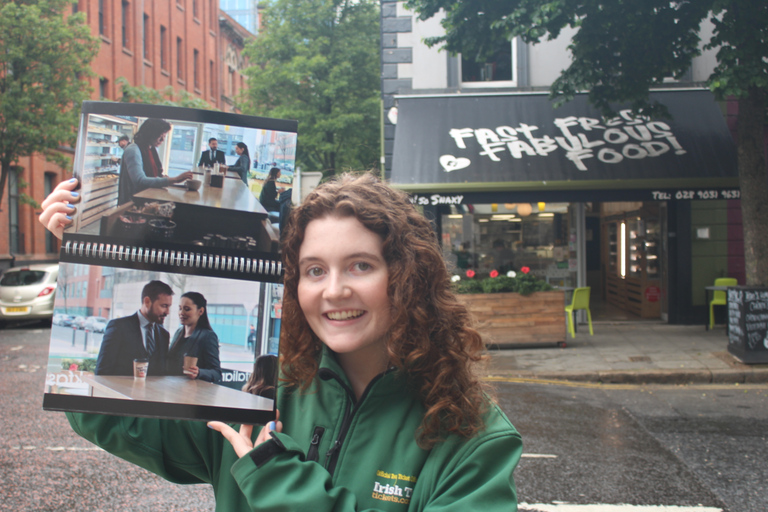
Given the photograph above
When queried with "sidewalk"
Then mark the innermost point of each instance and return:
(632, 352)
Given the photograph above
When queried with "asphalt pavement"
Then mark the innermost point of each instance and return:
(633, 352)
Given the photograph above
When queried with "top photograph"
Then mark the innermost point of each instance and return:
(189, 176)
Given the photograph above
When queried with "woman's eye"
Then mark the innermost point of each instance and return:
(314, 272)
(362, 266)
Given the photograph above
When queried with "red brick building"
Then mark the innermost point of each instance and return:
(190, 45)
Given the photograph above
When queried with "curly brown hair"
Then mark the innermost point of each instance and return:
(430, 338)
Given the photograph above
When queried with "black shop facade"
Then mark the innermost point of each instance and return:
(644, 211)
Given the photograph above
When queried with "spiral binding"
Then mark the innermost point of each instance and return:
(176, 258)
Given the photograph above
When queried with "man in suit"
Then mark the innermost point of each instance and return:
(138, 336)
(212, 155)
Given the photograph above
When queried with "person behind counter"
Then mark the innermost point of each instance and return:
(243, 163)
(141, 168)
(268, 196)
(194, 338)
(377, 381)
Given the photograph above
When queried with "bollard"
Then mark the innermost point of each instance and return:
(74, 333)
(85, 343)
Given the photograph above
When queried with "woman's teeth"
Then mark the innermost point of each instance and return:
(345, 315)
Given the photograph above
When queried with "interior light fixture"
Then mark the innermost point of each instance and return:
(623, 251)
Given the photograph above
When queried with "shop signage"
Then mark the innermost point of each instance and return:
(668, 195)
(508, 138)
(652, 294)
(748, 323)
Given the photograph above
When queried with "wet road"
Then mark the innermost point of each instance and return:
(584, 445)
(674, 446)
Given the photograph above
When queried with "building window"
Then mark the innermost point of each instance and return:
(194, 69)
(15, 243)
(125, 23)
(231, 82)
(103, 88)
(146, 34)
(194, 8)
(75, 8)
(214, 17)
(212, 78)
(499, 71)
(179, 58)
(50, 240)
(163, 48)
(102, 18)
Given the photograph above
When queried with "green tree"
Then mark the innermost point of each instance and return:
(44, 67)
(317, 61)
(624, 47)
(167, 96)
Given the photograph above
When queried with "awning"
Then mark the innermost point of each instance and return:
(474, 143)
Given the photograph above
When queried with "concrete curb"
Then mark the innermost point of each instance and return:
(664, 377)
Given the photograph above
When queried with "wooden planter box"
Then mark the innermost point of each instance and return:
(508, 319)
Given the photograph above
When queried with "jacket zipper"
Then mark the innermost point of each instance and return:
(332, 455)
(314, 446)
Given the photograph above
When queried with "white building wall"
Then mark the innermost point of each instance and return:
(547, 59)
(429, 69)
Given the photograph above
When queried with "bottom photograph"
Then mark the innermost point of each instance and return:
(160, 344)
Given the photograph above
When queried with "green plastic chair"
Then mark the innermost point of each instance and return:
(580, 301)
(719, 298)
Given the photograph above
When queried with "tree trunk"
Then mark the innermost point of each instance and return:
(753, 181)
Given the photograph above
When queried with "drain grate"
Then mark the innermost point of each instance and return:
(640, 359)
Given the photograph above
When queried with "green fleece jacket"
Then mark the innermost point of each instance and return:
(334, 454)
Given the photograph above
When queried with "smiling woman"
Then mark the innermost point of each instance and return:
(377, 360)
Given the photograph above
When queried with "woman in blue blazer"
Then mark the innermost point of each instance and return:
(194, 338)
(243, 164)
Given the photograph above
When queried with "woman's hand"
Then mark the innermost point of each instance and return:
(192, 372)
(241, 441)
(58, 207)
(181, 177)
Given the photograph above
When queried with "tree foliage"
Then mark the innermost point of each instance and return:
(317, 61)
(44, 67)
(622, 48)
(167, 96)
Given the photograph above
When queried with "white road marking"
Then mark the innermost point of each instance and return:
(599, 507)
(19, 347)
(59, 448)
(538, 456)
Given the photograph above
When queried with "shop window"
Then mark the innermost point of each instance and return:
(499, 71)
(506, 238)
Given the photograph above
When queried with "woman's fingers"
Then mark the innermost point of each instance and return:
(240, 442)
(58, 207)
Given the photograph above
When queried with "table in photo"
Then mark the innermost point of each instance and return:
(707, 290)
(232, 195)
(174, 390)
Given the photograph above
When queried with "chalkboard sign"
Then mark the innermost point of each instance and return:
(748, 323)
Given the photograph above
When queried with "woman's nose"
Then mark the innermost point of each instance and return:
(336, 287)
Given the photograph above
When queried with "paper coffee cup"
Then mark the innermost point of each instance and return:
(140, 368)
(189, 361)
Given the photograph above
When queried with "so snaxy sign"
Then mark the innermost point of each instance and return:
(458, 139)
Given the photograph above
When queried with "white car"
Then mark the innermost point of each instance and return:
(95, 324)
(27, 293)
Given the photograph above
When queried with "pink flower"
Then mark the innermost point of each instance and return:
(494, 273)
(73, 367)
(525, 270)
(470, 273)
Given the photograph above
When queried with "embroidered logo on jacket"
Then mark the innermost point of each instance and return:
(398, 491)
